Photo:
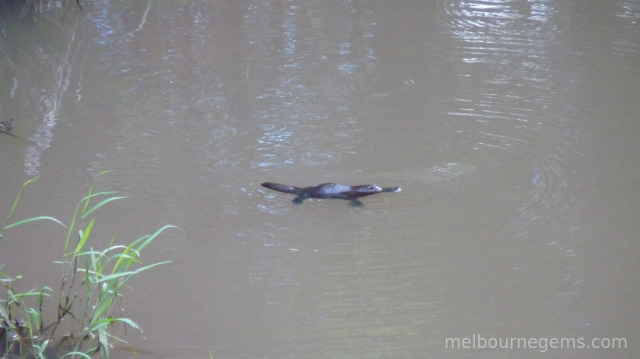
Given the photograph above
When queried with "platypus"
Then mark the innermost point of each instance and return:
(6, 125)
(331, 190)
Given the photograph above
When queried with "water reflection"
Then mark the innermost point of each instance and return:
(316, 60)
(56, 55)
(504, 85)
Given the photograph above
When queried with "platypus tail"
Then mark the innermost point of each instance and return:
(282, 188)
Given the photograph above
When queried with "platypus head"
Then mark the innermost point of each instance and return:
(366, 189)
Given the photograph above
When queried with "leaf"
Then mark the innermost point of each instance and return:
(85, 235)
(33, 219)
(97, 206)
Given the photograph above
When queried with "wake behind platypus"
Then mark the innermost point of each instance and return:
(331, 190)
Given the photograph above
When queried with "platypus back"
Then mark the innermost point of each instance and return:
(282, 188)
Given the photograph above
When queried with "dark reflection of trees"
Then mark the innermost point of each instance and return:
(41, 44)
(21, 8)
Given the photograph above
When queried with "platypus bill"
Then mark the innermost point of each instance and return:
(331, 190)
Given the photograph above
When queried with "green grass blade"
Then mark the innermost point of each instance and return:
(15, 202)
(33, 219)
(118, 275)
(99, 205)
(76, 353)
(128, 322)
(145, 241)
(74, 218)
(85, 235)
(154, 235)
(90, 192)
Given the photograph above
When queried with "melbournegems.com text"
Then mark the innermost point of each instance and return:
(542, 344)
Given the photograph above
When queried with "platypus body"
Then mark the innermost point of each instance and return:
(331, 190)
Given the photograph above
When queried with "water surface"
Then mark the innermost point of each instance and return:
(512, 127)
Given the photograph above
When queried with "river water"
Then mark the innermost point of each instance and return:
(512, 127)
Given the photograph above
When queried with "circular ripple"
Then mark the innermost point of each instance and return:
(549, 183)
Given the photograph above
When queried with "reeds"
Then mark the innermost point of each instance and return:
(92, 283)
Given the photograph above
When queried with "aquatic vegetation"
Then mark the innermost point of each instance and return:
(91, 288)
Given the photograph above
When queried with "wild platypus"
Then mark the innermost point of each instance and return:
(6, 125)
(331, 190)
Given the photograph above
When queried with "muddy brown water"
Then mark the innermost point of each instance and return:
(512, 127)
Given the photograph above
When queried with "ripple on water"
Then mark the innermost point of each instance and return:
(554, 178)
(503, 115)
(446, 172)
(341, 86)
(549, 183)
(496, 33)
(487, 14)
(413, 183)
(503, 40)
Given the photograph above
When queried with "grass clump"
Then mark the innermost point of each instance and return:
(91, 288)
